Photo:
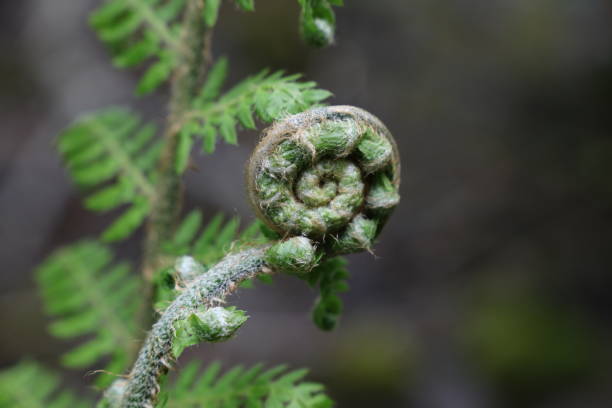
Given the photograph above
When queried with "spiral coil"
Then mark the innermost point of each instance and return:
(331, 174)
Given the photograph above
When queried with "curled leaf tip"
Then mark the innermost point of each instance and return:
(329, 174)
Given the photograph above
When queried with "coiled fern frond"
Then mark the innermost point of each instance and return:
(330, 174)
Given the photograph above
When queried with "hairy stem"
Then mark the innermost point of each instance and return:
(187, 78)
(155, 357)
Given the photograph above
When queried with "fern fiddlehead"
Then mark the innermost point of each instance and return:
(326, 180)
(330, 174)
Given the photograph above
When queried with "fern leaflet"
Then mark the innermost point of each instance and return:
(29, 385)
(238, 387)
(331, 277)
(90, 296)
(113, 145)
(138, 30)
(268, 96)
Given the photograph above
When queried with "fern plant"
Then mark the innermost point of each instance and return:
(323, 181)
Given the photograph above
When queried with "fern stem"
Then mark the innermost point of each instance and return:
(196, 37)
(155, 357)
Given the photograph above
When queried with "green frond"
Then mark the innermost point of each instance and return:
(139, 30)
(214, 82)
(266, 96)
(318, 21)
(331, 276)
(29, 385)
(89, 295)
(239, 387)
(113, 152)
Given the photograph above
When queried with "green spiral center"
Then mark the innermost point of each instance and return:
(328, 195)
(336, 182)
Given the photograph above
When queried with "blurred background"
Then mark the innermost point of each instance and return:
(491, 285)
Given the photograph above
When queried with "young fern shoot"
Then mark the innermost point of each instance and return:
(322, 181)
(326, 179)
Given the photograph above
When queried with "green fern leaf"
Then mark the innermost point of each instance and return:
(211, 12)
(29, 385)
(89, 296)
(140, 30)
(157, 74)
(239, 387)
(213, 83)
(331, 276)
(187, 230)
(113, 151)
(183, 149)
(269, 97)
(318, 21)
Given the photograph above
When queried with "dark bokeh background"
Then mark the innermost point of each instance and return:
(490, 287)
